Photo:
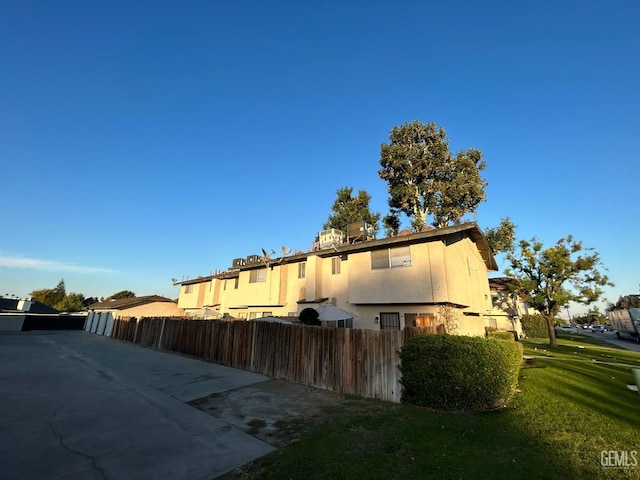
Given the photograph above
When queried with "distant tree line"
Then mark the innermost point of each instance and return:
(62, 301)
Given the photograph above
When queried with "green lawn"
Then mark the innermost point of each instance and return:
(568, 411)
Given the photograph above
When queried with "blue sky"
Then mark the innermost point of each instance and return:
(150, 140)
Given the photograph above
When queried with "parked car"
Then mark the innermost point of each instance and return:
(566, 329)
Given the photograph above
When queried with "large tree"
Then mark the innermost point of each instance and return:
(424, 177)
(549, 278)
(351, 209)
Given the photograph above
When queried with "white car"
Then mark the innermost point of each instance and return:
(566, 329)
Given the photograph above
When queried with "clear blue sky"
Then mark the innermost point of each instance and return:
(146, 140)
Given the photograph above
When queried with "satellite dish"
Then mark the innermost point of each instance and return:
(266, 256)
(285, 250)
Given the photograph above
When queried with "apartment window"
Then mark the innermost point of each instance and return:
(188, 288)
(236, 281)
(253, 315)
(389, 321)
(335, 265)
(410, 319)
(242, 315)
(225, 285)
(267, 314)
(302, 269)
(391, 257)
(258, 275)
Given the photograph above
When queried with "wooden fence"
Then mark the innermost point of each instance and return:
(359, 362)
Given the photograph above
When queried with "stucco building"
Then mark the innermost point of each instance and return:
(423, 278)
(507, 307)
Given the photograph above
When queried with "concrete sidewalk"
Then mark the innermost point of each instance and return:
(79, 406)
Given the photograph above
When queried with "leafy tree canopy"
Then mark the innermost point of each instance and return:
(501, 239)
(121, 294)
(90, 301)
(424, 177)
(59, 299)
(50, 296)
(549, 278)
(349, 209)
(73, 302)
(625, 301)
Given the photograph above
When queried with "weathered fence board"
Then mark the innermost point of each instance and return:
(359, 362)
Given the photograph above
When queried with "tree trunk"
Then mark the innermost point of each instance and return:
(552, 332)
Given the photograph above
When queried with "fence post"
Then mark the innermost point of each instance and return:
(135, 332)
(160, 336)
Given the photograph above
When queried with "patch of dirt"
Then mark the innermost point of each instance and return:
(276, 411)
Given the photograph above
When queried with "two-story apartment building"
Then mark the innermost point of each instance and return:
(417, 278)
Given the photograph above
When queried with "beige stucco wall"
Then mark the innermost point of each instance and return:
(505, 322)
(382, 285)
(467, 281)
(455, 273)
(190, 300)
(438, 273)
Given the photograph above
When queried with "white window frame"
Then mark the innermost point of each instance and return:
(336, 268)
(391, 257)
(258, 275)
(302, 269)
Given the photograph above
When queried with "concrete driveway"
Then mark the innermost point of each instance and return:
(74, 405)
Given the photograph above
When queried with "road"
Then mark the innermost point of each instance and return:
(612, 338)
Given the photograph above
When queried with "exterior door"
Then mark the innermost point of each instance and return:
(389, 320)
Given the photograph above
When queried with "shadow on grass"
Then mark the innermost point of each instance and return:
(604, 395)
(579, 410)
(566, 414)
(367, 439)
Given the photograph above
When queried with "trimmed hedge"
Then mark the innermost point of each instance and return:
(502, 335)
(451, 372)
(534, 326)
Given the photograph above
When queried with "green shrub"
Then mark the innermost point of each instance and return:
(501, 335)
(535, 326)
(450, 372)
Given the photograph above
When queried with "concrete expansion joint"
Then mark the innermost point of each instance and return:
(76, 452)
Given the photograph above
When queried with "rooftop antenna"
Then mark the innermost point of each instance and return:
(266, 256)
